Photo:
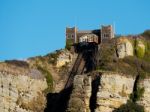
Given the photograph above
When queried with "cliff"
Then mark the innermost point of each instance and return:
(109, 92)
(114, 79)
(21, 89)
(120, 82)
(145, 99)
(24, 85)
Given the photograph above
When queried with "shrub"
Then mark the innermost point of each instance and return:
(146, 34)
(137, 95)
(69, 43)
(130, 107)
(48, 77)
(147, 51)
(52, 57)
(139, 50)
(76, 105)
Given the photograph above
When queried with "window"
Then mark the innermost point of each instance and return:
(72, 36)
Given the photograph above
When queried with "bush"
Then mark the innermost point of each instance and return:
(130, 107)
(139, 50)
(69, 43)
(146, 34)
(76, 105)
(48, 77)
(52, 57)
(147, 52)
(137, 95)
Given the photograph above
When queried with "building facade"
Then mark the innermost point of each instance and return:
(74, 36)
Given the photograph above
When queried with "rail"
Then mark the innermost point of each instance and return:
(79, 63)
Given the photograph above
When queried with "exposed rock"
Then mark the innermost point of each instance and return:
(22, 92)
(124, 48)
(80, 97)
(114, 91)
(145, 100)
(63, 58)
(58, 64)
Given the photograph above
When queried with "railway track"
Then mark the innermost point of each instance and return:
(85, 60)
(78, 68)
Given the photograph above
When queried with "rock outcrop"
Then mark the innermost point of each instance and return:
(80, 97)
(21, 91)
(124, 48)
(64, 57)
(145, 99)
(114, 91)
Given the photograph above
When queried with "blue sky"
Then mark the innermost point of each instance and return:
(37, 27)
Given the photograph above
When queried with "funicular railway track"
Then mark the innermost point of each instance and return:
(77, 69)
(63, 98)
(85, 60)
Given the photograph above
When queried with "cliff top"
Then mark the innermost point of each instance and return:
(15, 67)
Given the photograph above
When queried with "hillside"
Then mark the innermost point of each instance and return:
(113, 78)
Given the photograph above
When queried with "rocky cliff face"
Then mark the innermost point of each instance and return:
(21, 90)
(124, 48)
(145, 99)
(80, 97)
(114, 92)
(23, 85)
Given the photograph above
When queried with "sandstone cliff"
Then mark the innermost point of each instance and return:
(114, 91)
(107, 92)
(145, 99)
(120, 82)
(124, 47)
(21, 89)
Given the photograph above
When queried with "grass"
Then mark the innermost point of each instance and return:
(131, 65)
(48, 77)
(139, 50)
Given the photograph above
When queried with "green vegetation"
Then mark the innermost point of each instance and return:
(52, 57)
(48, 77)
(69, 43)
(130, 107)
(137, 95)
(106, 57)
(146, 34)
(76, 105)
(139, 48)
(131, 65)
(147, 51)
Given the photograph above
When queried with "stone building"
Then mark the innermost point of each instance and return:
(74, 36)
(107, 33)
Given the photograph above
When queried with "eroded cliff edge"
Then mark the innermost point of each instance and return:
(109, 92)
(21, 89)
(120, 82)
(26, 84)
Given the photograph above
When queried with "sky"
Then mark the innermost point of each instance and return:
(36, 27)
